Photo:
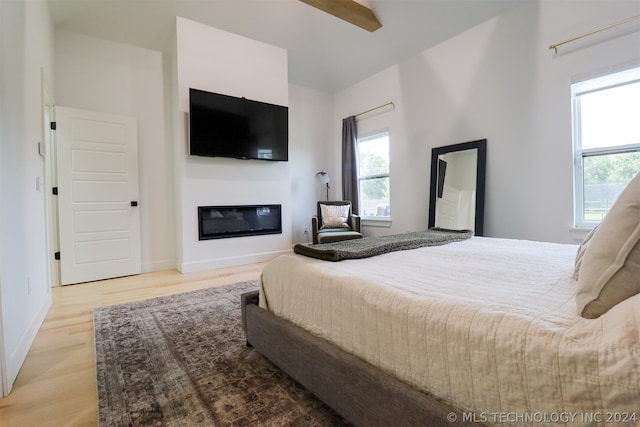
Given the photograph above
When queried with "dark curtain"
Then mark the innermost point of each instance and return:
(349, 163)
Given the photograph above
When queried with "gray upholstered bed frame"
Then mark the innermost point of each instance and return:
(358, 391)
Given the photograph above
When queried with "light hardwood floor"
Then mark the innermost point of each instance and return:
(57, 383)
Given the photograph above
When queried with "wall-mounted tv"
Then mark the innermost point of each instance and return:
(227, 126)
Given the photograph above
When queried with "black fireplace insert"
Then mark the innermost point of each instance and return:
(220, 222)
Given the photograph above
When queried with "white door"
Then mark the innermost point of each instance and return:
(99, 221)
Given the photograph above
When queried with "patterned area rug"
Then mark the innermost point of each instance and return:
(181, 360)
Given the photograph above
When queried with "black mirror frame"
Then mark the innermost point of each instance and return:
(481, 146)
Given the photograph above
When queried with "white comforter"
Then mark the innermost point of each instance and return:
(489, 325)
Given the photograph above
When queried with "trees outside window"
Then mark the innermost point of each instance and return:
(606, 134)
(373, 176)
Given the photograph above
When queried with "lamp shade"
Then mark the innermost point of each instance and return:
(323, 177)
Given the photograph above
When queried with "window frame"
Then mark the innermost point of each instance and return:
(373, 220)
(578, 89)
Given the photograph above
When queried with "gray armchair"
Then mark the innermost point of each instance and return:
(335, 222)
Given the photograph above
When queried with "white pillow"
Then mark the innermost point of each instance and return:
(610, 269)
(334, 216)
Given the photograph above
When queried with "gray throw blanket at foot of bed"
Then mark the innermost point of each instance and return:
(371, 246)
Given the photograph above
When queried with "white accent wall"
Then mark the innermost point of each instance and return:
(26, 67)
(501, 82)
(221, 62)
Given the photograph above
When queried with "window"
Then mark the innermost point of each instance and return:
(606, 133)
(373, 176)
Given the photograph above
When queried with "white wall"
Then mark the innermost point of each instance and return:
(310, 151)
(217, 61)
(409, 156)
(498, 81)
(25, 294)
(100, 75)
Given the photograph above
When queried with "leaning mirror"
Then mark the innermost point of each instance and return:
(456, 197)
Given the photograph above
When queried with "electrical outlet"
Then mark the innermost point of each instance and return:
(306, 231)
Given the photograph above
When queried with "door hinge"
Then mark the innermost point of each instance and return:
(54, 190)
(56, 255)
(53, 125)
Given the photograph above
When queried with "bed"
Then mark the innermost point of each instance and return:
(480, 331)
(490, 330)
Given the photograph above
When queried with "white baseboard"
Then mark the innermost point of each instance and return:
(16, 358)
(194, 266)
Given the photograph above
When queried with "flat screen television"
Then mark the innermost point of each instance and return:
(228, 126)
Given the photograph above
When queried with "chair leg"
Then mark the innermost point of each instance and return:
(314, 229)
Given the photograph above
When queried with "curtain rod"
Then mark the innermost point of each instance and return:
(374, 108)
(615, 24)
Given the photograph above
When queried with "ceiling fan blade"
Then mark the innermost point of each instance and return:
(348, 10)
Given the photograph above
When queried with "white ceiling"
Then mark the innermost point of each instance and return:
(324, 52)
